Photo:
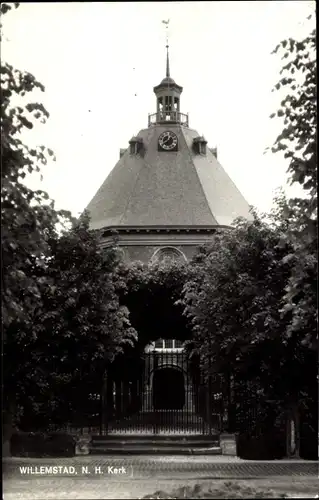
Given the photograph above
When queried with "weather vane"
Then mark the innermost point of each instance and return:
(167, 46)
(166, 27)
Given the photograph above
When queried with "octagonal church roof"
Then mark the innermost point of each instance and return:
(167, 188)
(153, 186)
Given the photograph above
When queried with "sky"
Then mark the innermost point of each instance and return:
(99, 63)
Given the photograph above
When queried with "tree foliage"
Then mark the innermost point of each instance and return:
(298, 142)
(29, 221)
(150, 294)
(28, 218)
(6, 7)
(62, 319)
(81, 326)
(232, 298)
(85, 296)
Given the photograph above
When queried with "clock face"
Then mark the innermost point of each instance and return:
(167, 141)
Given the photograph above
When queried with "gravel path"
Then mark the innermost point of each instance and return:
(135, 476)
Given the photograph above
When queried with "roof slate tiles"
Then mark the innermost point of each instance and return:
(167, 188)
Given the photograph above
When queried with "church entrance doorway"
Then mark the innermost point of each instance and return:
(168, 389)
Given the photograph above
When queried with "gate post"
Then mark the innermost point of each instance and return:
(292, 432)
(109, 400)
(231, 410)
(102, 401)
(210, 406)
(209, 397)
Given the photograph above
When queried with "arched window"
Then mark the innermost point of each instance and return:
(169, 254)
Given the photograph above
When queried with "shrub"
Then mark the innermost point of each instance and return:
(38, 444)
(268, 446)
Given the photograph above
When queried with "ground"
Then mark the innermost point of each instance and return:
(129, 477)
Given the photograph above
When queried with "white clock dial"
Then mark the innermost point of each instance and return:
(167, 140)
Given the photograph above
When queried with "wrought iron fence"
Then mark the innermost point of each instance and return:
(165, 395)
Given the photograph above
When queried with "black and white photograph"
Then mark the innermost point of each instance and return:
(159, 250)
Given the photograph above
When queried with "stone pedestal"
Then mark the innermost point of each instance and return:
(228, 444)
(6, 449)
(82, 444)
(292, 437)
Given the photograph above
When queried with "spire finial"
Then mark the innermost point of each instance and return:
(167, 47)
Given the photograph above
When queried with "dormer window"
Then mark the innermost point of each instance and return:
(199, 145)
(136, 145)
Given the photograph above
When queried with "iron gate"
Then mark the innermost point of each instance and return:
(161, 392)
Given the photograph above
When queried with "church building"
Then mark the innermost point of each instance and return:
(167, 195)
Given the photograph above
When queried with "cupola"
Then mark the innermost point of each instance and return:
(168, 95)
